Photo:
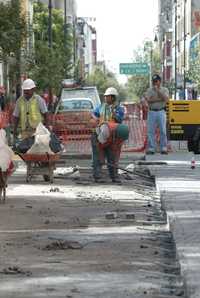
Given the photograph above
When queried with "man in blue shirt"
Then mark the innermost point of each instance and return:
(105, 119)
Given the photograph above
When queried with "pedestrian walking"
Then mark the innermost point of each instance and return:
(30, 110)
(157, 97)
(108, 136)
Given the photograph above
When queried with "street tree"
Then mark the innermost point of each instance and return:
(193, 74)
(48, 66)
(103, 79)
(137, 85)
(13, 32)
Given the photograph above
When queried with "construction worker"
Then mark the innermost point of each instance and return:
(108, 115)
(30, 110)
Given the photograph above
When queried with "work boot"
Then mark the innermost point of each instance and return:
(164, 152)
(116, 180)
(150, 152)
(99, 180)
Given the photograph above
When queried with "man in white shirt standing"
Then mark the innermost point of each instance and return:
(157, 97)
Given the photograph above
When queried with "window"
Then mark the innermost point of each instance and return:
(73, 105)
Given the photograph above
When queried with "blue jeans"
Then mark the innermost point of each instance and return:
(156, 119)
(100, 155)
(96, 161)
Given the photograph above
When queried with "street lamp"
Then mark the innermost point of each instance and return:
(148, 46)
(158, 31)
(159, 41)
(155, 38)
(74, 39)
(65, 23)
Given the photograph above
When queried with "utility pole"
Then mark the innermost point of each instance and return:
(184, 48)
(50, 24)
(74, 38)
(65, 24)
(175, 48)
(150, 66)
(148, 48)
(50, 47)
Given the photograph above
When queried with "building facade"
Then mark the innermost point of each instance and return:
(164, 32)
(86, 46)
(179, 39)
(187, 41)
(71, 7)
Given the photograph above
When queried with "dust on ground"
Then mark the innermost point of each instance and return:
(76, 238)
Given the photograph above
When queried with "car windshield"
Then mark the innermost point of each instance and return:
(76, 104)
(81, 93)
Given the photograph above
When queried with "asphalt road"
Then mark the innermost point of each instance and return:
(75, 238)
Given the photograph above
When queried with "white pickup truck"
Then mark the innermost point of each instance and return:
(73, 112)
(81, 92)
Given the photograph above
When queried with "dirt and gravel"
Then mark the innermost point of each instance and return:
(75, 238)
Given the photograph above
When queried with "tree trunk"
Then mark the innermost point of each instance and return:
(5, 72)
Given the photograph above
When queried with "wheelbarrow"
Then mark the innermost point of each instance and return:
(40, 164)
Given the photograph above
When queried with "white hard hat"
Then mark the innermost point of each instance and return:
(111, 91)
(28, 84)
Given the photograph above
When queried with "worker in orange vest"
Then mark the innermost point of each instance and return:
(105, 143)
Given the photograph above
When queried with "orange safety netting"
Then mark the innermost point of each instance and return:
(75, 134)
(137, 135)
(4, 119)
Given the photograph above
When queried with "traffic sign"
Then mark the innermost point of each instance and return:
(138, 69)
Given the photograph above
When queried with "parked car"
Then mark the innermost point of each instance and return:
(72, 117)
(81, 92)
(73, 110)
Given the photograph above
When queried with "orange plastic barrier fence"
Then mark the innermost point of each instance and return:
(9, 108)
(137, 135)
(4, 119)
(76, 135)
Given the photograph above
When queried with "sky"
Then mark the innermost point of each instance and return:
(122, 26)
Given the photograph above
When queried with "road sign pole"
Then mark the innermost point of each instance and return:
(150, 67)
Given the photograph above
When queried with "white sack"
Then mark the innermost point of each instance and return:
(41, 143)
(6, 153)
(103, 133)
(41, 130)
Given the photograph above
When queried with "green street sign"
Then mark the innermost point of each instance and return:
(137, 69)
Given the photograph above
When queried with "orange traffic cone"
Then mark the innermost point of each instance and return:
(193, 165)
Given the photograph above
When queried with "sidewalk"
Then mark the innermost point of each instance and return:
(179, 186)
